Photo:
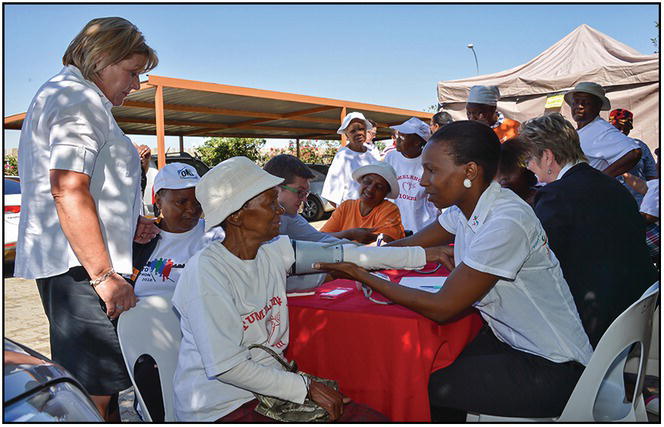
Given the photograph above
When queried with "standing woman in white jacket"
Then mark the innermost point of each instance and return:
(339, 183)
(80, 177)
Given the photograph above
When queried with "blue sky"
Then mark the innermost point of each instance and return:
(380, 54)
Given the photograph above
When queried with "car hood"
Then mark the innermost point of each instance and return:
(25, 370)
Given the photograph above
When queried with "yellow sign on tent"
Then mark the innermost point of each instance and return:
(554, 101)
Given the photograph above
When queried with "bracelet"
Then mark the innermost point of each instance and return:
(101, 278)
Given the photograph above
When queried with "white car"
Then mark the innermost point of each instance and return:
(12, 200)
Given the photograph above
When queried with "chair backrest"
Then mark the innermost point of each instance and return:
(600, 393)
(152, 328)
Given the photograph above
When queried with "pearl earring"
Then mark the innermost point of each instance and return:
(548, 172)
(467, 183)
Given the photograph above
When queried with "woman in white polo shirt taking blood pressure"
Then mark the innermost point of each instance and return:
(527, 359)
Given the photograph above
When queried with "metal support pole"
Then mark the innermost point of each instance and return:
(181, 143)
(297, 147)
(343, 136)
(159, 119)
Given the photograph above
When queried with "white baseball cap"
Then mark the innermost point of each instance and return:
(383, 169)
(176, 176)
(349, 117)
(229, 185)
(487, 95)
(416, 126)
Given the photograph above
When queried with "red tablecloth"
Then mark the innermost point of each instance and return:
(381, 355)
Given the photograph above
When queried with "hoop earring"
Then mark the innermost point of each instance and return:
(467, 183)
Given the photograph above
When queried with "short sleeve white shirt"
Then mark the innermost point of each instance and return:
(339, 184)
(416, 210)
(650, 203)
(161, 272)
(530, 307)
(603, 143)
(69, 125)
(225, 305)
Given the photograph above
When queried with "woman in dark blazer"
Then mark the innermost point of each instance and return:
(592, 222)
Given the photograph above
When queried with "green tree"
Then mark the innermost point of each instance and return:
(655, 40)
(11, 165)
(216, 150)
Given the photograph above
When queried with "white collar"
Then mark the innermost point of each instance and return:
(565, 168)
(79, 75)
(483, 206)
(499, 120)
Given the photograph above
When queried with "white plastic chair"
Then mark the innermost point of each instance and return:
(599, 396)
(153, 328)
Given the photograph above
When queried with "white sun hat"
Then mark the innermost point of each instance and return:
(383, 169)
(226, 187)
(176, 176)
(487, 95)
(349, 117)
(416, 126)
(592, 89)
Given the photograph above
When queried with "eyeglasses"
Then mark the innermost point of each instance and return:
(300, 193)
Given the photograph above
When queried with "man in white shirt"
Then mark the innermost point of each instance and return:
(606, 148)
(416, 210)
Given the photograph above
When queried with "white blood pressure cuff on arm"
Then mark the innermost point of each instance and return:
(371, 258)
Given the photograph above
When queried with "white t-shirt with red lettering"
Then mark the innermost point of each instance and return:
(225, 305)
(416, 210)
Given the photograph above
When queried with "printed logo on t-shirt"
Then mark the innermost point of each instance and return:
(409, 185)
(160, 267)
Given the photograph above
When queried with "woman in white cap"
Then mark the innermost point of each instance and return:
(416, 210)
(371, 210)
(158, 263)
(339, 184)
(232, 294)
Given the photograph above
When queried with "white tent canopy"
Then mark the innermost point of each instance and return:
(630, 79)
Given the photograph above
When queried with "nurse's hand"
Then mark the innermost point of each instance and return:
(442, 255)
(328, 398)
(342, 270)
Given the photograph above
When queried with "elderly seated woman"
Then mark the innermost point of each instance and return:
(158, 263)
(231, 295)
(371, 210)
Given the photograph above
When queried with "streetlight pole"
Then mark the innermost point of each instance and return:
(472, 47)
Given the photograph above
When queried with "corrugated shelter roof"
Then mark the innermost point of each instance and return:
(192, 108)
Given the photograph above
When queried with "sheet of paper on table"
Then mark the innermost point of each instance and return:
(429, 284)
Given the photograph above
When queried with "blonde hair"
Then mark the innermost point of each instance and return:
(107, 41)
(553, 132)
